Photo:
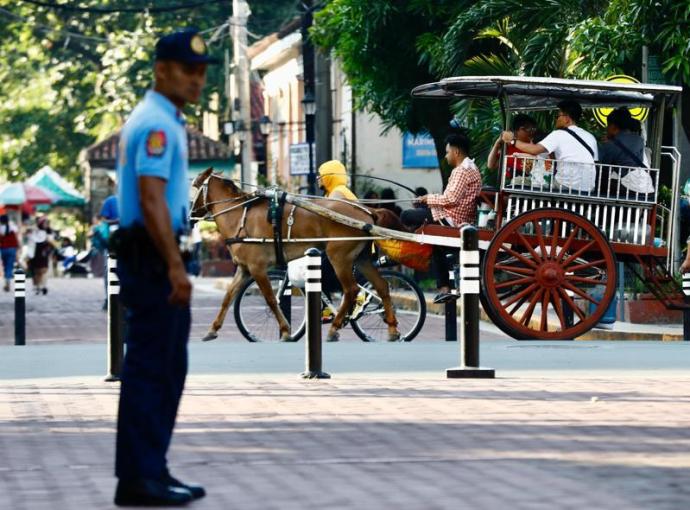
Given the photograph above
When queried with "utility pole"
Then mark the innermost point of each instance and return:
(238, 25)
(309, 89)
(324, 109)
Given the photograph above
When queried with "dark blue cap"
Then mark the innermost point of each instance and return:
(186, 46)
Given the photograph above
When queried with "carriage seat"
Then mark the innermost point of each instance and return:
(438, 230)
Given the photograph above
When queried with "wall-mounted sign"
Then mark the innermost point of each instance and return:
(419, 151)
(639, 113)
(299, 159)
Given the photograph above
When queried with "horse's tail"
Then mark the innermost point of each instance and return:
(387, 219)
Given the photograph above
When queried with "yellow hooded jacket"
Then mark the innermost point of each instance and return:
(334, 180)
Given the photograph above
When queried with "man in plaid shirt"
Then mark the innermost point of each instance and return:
(455, 206)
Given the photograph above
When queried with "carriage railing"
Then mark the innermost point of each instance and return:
(625, 215)
(536, 175)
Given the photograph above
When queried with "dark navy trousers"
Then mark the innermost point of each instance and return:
(153, 373)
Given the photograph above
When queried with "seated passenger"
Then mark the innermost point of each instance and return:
(455, 206)
(574, 148)
(622, 146)
(525, 127)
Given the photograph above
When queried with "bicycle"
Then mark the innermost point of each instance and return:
(257, 323)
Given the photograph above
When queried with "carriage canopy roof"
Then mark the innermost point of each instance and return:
(534, 93)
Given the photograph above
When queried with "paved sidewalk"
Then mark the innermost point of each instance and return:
(588, 425)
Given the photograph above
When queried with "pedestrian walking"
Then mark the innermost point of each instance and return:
(153, 198)
(9, 243)
(41, 248)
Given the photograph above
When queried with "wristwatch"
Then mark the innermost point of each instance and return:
(512, 142)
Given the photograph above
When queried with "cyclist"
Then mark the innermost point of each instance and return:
(333, 181)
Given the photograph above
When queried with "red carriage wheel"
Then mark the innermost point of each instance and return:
(548, 274)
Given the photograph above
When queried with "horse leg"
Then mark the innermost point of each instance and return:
(241, 276)
(264, 284)
(381, 285)
(344, 273)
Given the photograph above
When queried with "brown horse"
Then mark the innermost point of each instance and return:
(222, 199)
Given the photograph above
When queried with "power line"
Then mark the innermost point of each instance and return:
(46, 28)
(108, 10)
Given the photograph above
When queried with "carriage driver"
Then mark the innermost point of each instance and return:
(455, 206)
(153, 197)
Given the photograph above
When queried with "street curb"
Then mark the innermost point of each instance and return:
(594, 334)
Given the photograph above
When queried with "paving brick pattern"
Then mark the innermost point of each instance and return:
(408, 443)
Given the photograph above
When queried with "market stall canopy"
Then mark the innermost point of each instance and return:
(67, 195)
(535, 93)
(20, 193)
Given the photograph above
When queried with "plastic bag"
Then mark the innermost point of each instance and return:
(638, 181)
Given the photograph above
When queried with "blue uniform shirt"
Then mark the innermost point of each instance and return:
(153, 142)
(109, 209)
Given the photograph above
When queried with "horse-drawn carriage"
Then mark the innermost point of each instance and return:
(549, 262)
(549, 266)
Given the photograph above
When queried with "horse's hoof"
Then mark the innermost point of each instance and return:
(333, 337)
(394, 337)
(211, 335)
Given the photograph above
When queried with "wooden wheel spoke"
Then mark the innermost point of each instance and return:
(512, 283)
(571, 304)
(540, 238)
(554, 240)
(519, 256)
(524, 320)
(580, 293)
(520, 295)
(579, 252)
(529, 247)
(568, 242)
(580, 267)
(517, 305)
(556, 303)
(514, 269)
(544, 325)
(581, 279)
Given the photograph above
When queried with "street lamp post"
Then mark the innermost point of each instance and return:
(265, 125)
(309, 104)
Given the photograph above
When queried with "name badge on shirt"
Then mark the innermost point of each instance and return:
(156, 143)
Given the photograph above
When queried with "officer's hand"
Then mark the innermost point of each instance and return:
(181, 293)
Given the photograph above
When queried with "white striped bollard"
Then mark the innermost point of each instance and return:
(312, 284)
(468, 286)
(19, 307)
(115, 324)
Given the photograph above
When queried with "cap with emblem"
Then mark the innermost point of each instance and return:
(186, 46)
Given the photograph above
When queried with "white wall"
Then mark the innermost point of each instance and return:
(381, 156)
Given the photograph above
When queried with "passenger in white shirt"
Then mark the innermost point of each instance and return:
(574, 148)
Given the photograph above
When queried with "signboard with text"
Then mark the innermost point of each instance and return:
(299, 159)
(419, 151)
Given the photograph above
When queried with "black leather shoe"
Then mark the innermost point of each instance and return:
(197, 491)
(145, 492)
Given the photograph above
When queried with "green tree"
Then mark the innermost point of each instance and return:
(69, 77)
(378, 45)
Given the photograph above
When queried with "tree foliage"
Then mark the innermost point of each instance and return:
(69, 77)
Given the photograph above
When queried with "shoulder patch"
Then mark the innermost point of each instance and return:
(156, 143)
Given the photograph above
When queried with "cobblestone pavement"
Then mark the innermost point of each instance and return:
(72, 312)
(409, 443)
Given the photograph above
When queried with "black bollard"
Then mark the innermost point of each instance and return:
(312, 289)
(451, 306)
(19, 307)
(686, 311)
(468, 286)
(116, 328)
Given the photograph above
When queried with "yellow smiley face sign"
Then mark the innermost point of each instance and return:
(638, 113)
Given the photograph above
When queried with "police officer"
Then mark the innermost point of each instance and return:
(154, 198)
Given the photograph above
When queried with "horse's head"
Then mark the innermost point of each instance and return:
(208, 189)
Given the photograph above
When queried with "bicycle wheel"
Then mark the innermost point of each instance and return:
(255, 320)
(408, 302)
